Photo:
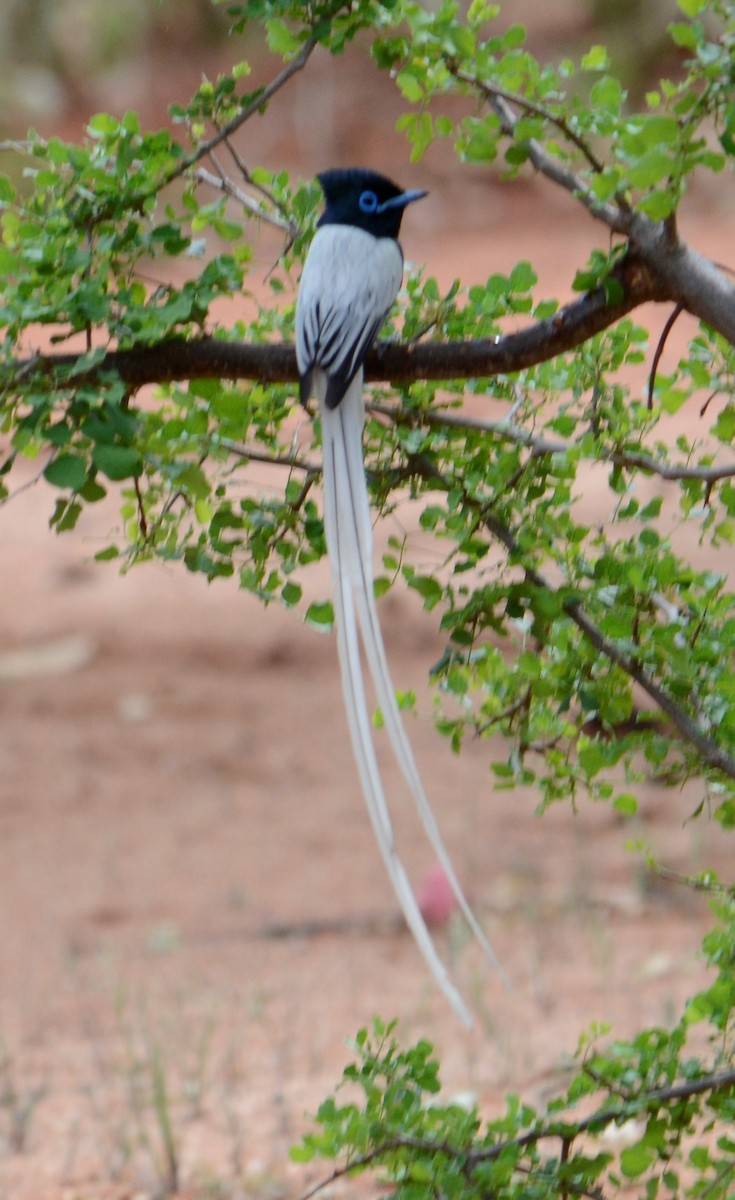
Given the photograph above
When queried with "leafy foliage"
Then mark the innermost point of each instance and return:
(639, 1113)
(87, 225)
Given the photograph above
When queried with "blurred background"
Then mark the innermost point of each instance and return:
(61, 60)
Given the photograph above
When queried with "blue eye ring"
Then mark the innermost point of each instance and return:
(368, 202)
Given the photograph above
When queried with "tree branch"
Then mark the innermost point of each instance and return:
(492, 92)
(508, 431)
(262, 97)
(225, 185)
(670, 322)
(712, 754)
(615, 216)
(697, 284)
(251, 454)
(105, 208)
(567, 1131)
(716, 1082)
(176, 359)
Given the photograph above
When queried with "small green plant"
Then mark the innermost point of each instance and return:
(161, 1076)
(18, 1103)
(650, 1114)
(148, 1119)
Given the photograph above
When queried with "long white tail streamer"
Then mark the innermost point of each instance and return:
(349, 543)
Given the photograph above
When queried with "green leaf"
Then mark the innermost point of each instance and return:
(189, 477)
(691, 8)
(523, 277)
(67, 471)
(672, 398)
(427, 587)
(652, 509)
(281, 40)
(410, 87)
(65, 516)
(659, 130)
(591, 758)
(481, 11)
(657, 205)
(596, 59)
(545, 309)
(291, 593)
(419, 130)
(607, 92)
(724, 426)
(117, 462)
(514, 36)
(651, 168)
(634, 1160)
(103, 124)
(626, 803)
(682, 35)
(321, 615)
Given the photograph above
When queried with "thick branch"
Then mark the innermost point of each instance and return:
(698, 285)
(206, 357)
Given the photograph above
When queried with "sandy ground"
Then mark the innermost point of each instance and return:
(189, 888)
(190, 883)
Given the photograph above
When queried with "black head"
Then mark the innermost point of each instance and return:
(366, 199)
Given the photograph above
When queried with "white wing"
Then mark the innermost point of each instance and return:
(349, 282)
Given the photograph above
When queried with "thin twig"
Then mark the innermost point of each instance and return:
(226, 185)
(506, 715)
(261, 97)
(142, 522)
(251, 454)
(491, 90)
(697, 883)
(541, 446)
(27, 485)
(21, 146)
(678, 309)
(265, 192)
(616, 216)
(712, 754)
(558, 1129)
(726, 1169)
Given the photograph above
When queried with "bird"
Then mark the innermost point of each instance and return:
(350, 280)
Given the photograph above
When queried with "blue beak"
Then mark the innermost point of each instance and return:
(402, 200)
